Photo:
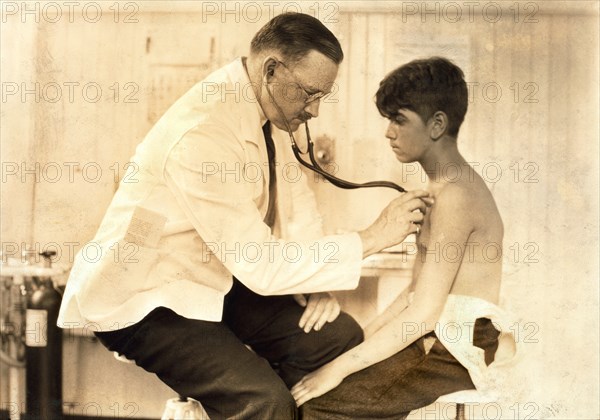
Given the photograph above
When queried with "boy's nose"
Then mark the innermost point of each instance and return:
(389, 133)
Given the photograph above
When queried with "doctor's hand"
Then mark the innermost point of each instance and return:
(320, 308)
(399, 219)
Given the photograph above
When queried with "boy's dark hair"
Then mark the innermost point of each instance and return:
(294, 35)
(425, 86)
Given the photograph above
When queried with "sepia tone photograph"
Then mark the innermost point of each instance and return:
(335, 210)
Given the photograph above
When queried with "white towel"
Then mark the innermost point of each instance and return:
(455, 329)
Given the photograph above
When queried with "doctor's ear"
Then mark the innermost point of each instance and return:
(269, 65)
(438, 125)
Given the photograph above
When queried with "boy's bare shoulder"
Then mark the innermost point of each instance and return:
(469, 188)
(449, 208)
(468, 203)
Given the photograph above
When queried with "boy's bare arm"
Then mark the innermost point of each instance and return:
(391, 312)
(451, 224)
(450, 227)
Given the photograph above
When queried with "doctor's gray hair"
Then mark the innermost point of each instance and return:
(295, 35)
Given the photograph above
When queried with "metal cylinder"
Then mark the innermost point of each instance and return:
(43, 354)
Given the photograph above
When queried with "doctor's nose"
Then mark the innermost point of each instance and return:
(313, 108)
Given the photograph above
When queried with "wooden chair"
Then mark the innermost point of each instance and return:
(463, 398)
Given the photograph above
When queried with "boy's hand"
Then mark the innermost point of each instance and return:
(317, 383)
(320, 308)
(399, 219)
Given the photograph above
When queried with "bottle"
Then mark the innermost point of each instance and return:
(43, 354)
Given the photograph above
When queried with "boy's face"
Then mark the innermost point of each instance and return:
(409, 136)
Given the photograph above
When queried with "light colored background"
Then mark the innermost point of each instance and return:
(541, 131)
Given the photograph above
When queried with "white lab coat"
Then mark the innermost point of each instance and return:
(189, 215)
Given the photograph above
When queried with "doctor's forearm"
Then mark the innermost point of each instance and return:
(369, 243)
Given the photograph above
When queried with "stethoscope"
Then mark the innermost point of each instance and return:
(314, 165)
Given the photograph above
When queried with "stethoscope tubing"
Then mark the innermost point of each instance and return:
(315, 167)
(338, 182)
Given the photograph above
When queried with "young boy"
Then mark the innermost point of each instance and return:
(409, 358)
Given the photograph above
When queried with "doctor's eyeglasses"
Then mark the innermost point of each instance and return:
(310, 97)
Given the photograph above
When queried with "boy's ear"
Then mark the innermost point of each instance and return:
(438, 124)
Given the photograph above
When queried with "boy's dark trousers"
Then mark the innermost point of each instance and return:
(411, 379)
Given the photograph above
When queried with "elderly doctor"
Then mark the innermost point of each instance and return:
(200, 259)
